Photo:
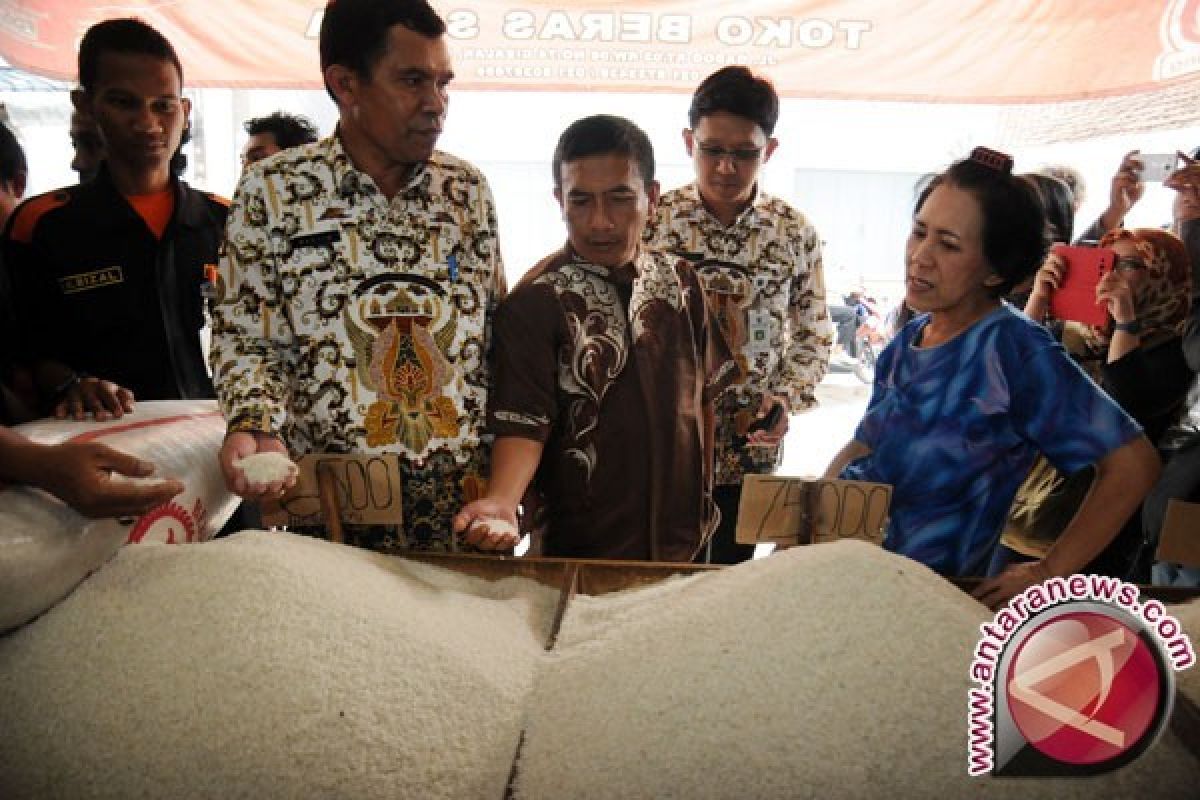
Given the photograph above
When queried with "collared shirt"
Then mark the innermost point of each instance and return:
(764, 278)
(612, 370)
(94, 288)
(346, 323)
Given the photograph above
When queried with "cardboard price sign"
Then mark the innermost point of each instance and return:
(807, 511)
(1179, 542)
(367, 488)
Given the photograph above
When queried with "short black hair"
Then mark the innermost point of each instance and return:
(12, 156)
(289, 130)
(1014, 223)
(1058, 203)
(125, 35)
(354, 33)
(736, 90)
(604, 134)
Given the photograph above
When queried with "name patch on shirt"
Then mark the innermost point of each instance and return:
(83, 281)
(317, 238)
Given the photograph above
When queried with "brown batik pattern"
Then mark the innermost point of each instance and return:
(764, 280)
(601, 333)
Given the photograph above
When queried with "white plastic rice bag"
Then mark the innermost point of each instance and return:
(47, 548)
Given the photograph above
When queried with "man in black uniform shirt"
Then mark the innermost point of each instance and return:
(108, 276)
(76, 472)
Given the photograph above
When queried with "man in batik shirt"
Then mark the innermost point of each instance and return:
(760, 262)
(358, 279)
(607, 361)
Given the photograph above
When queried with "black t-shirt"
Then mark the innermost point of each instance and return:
(93, 288)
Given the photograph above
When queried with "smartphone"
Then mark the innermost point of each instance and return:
(765, 423)
(1075, 299)
(768, 421)
(1157, 166)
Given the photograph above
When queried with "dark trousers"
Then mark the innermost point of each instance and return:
(722, 547)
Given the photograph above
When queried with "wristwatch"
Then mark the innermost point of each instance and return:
(1133, 326)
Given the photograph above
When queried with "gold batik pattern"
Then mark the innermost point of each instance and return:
(764, 280)
(348, 323)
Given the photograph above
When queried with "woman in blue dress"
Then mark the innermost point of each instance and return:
(971, 390)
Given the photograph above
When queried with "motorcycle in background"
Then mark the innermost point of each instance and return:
(862, 332)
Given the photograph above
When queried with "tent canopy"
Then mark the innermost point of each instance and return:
(1016, 51)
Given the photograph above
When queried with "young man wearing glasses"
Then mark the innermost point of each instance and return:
(760, 262)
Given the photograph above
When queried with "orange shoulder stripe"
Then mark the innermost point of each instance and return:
(31, 211)
(216, 198)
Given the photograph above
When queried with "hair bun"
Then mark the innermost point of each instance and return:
(993, 159)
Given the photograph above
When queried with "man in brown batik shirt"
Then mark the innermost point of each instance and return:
(606, 364)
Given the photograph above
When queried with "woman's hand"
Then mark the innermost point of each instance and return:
(1115, 291)
(1046, 282)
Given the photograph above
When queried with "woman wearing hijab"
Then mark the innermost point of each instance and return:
(1137, 358)
(971, 391)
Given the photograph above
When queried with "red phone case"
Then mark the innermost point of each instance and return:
(1075, 300)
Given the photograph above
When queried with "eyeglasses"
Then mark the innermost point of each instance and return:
(742, 154)
(1129, 264)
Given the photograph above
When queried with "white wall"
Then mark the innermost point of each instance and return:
(849, 166)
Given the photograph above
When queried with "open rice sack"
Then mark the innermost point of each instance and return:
(829, 671)
(47, 548)
(271, 665)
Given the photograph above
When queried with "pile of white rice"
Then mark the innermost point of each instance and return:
(833, 671)
(270, 665)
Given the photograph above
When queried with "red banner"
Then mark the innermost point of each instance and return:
(937, 50)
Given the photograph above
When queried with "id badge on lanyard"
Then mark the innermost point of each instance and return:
(760, 330)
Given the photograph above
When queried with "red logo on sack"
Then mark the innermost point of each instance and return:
(170, 523)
